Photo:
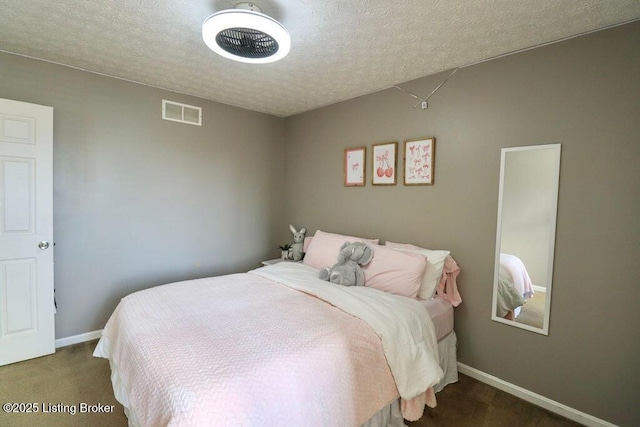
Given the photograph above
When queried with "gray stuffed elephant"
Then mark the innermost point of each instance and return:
(347, 271)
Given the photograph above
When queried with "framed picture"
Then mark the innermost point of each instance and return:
(384, 161)
(355, 161)
(419, 156)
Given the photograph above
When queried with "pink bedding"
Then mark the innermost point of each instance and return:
(448, 286)
(514, 284)
(441, 312)
(246, 351)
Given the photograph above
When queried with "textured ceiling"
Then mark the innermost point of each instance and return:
(340, 48)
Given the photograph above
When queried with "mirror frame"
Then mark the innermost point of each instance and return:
(552, 234)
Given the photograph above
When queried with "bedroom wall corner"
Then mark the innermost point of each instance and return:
(139, 201)
(582, 93)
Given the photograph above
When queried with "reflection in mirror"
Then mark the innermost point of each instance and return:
(527, 205)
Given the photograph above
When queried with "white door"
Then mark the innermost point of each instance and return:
(26, 231)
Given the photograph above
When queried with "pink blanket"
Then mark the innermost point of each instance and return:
(514, 284)
(244, 350)
(518, 275)
(448, 286)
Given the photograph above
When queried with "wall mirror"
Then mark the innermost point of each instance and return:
(525, 236)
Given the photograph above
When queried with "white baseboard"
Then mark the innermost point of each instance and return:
(536, 399)
(76, 339)
(539, 288)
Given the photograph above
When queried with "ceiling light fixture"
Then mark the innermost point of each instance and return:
(245, 34)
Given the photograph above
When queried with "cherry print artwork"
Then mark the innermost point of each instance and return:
(384, 163)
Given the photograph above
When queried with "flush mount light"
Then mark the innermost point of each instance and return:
(246, 35)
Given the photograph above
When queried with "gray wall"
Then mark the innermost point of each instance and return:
(583, 93)
(139, 201)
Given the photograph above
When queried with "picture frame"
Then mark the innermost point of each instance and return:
(419, 161)
(384, 163)
(355, 166)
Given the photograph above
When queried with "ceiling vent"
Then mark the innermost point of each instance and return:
(183, 113)
(244, 34)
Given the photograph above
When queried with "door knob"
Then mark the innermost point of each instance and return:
(43, 245)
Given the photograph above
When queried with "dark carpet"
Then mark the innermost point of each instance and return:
(72, 380)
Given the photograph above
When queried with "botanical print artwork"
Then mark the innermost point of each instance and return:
(384, 163)
(418, 164)
(354, 167)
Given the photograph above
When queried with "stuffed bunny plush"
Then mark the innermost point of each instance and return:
(296, 251)
(347, 271)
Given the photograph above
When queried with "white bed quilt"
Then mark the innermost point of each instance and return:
(245, 350)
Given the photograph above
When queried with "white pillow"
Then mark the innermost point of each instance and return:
(435, 265)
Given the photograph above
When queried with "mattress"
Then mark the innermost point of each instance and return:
(441, 312)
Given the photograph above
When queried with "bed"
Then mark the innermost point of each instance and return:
(278, 346)
(514, 287)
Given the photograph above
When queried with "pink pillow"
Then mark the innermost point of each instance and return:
(394, 271)
(435, 266)
(324, 247)
(307, 242)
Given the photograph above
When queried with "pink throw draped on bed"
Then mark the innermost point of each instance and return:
(448, 286)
